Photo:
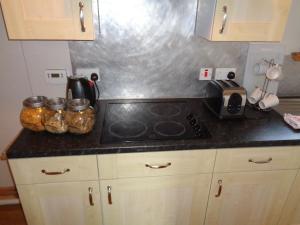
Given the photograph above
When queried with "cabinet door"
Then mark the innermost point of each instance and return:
(250, 20)
(166, 200)
(254, 198)
(48, 19)
(291, 212)
(61, 203)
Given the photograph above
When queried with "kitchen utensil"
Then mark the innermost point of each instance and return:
(32, 113)
(54, 116)
(269, 100)
(80, 116)
(226, 99)
(155, 120)
(256, 95)
(274, 72)
(81, 87)
(261, 98)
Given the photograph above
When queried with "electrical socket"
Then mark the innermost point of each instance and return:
(88, 72)
(222, 73)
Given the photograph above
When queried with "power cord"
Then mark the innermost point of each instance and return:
(94, 78)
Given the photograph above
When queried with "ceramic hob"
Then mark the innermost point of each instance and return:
(150, 121)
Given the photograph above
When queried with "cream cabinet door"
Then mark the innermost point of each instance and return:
(48, 19)
(166, 200)
(71, 203)
(291, 212)
(254, 198)
(250, 20)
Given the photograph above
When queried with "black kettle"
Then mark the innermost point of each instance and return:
(81, 87)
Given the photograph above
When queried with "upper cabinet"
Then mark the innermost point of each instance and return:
(48, 19)
(216, 20)
(242, 20)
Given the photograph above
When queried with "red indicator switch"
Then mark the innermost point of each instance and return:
(205, 74)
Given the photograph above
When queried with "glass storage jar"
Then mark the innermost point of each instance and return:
(80, 116)
(31, 115)
(54, 116)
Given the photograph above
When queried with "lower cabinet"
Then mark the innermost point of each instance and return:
(291, 212)
(251, 186)
(70, 203)
(164, 200)
(248, 198)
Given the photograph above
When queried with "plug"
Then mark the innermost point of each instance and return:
(92, 74)
(94, 77)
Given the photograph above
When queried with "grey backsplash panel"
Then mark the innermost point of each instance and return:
(147, 49)
(290, 85)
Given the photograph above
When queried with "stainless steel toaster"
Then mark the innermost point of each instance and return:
(226, 99)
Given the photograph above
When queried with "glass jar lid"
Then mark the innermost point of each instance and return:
(56, 103)
(78, 104)
(35, 101)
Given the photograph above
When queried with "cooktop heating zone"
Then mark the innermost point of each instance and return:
(151, 121)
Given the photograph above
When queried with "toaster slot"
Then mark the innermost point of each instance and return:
(233, 83)
(224, 84)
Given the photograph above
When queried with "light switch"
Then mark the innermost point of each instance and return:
(56, 76)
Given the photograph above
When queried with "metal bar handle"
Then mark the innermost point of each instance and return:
(260, 161)
(91, 196)
(109, 198)
(220, 189)
(81, 16)
(56, 173)
(225, 11)
(158, 166)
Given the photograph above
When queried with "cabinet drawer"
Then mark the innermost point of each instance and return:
(155, 164)
(54, 169)
(251, 159)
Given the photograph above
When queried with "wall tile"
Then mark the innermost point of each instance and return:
(147, 49)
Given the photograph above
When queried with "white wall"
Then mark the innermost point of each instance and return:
(42, 55)
(14, 86)
(290, 43)
(291, 39)
(22, 66)
(289, 86)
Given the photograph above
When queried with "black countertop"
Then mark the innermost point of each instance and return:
(256, 129)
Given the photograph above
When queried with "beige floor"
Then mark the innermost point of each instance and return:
(12, 215)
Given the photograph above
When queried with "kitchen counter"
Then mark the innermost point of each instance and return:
(256, 129)
(289, 105)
